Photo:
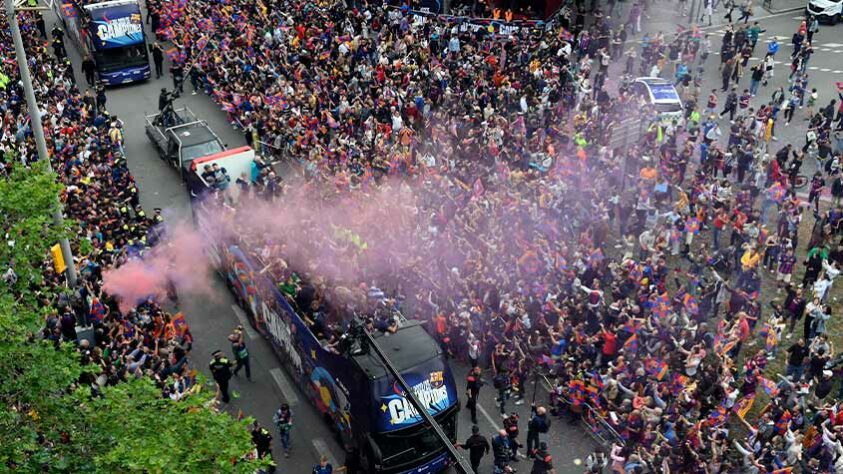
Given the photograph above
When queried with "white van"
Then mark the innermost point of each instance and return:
(662, 94)
(826, 10)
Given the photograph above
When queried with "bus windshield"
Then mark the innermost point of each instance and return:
(113, 59)
(416, 442)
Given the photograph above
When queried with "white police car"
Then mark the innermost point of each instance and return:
(826, 10)
(661, 94)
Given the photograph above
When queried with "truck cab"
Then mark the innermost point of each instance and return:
(181, 138)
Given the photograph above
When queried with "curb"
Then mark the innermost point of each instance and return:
(784, 10)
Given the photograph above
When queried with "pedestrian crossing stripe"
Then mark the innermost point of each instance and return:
(833, 45)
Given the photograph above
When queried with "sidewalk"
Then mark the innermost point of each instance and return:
(780, 6)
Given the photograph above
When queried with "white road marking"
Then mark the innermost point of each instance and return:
(833, 45)
(825, 69)
(244, 321)
(322, 449)
(813, 68)
(488, 418)
(837, 72)
(287, 389)
(765, 17)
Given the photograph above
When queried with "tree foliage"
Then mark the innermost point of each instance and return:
(47, 422)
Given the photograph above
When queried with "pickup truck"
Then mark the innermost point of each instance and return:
(182, 139)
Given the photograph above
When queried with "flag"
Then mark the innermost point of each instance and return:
(593, 395)
(677, 383)
(655, 367)
(597, 380)
(776, 192)
(839, 86)
(70, 12)
(718, 416)
(631, 344)
(769, 386)
(631, 326)
(544, 360)
(691, 305)
(661, 306)
(180, 324)
(692, 225)
(172, 53)
(201, 42)
(784, 470)
(781, 425)
(743, 405)
(577, 390)
(728, 346)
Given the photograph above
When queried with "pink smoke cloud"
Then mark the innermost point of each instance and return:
(179, 260)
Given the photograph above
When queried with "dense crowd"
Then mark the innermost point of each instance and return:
(610, 268)
(100, 195)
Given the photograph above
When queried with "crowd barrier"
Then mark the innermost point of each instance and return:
(595, 423)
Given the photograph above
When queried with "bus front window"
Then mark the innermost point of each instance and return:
(113, 59)
(415, 443)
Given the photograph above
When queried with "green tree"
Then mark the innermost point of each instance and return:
(46, 420)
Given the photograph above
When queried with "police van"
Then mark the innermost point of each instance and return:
(826, 10)
(661, 94)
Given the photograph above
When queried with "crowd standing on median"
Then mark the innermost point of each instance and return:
(632, 277)
(85, 146)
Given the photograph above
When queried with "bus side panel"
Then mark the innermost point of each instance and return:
(325, 377)
(72, 20)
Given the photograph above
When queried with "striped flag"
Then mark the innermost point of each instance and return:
(743, 405)
(769, 386)
(180, 324)
(781, 425)
(631, 344)
(718, 416)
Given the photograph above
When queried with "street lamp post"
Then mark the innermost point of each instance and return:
(38, 131)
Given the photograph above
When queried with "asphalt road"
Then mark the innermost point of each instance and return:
(211, 320)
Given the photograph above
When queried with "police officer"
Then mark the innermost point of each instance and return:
(477, 447)
(472, 392)
(101, 98)
(221, 371)
(262, 438)
(241, 354)
(501, 450)
(539, 423)
(90, 70)
(543, 463)
(57, 32)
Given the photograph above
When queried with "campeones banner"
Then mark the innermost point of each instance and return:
(428, 384)
(116, 26)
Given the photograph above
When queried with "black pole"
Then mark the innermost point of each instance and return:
(461, 465)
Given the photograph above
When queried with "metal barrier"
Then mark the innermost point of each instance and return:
(596, 425)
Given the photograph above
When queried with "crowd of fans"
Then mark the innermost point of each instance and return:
(608, 269)
(100, 196)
